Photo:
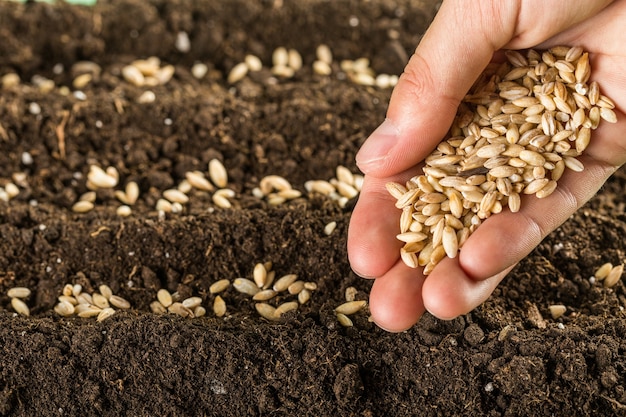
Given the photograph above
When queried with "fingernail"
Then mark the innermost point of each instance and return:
(376, 148)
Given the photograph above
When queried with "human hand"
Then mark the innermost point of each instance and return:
(456, 48)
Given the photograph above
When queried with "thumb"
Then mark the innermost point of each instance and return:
(451, 55)
(456, 48)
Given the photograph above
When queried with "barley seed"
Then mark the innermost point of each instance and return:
(18, 292)
(217, 173)
(105, 314)
(124, 211)
(264, 295)
(350, 307)
(119, 302)
(176, 196)
(285, 308)
(344, 320)
(82, 206)
(100, 300)
(237, 73)
(611, 279)
(133, 75)
(64, 309)
(164, 297)
(221, 201)
(199, 70)
(259, 275)
(89, 311)
(284, 282)
(330, 228)
(266, 311)
(157, 308)
(245, 286)
(295, 287)
(557, 310)
(179, 309)
(350, 294)
(603, 271)
(253, 62)
(20, 307)
(219, 286)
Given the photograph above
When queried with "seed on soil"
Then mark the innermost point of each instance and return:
(322, 68)
(221, 201)
(264, 295)
(350, 294)
(157, 308)
(101, 178)
(199, 70)
(89, 311)
(237, 73)
(106, 291)
(10, 80)
(124, 211)
(614, 276)
(77, 289)
(82, 206)
(64, 308)
(266, 311)
(284, 282)
(304, 296)
(20, 307)
(18, 292)
(119, 302)
(603, 271)
(68, 298)
(217, 173)
(330, 228)
(285, 307)
(350, 307)
(133, 75)
(146, 97)
(295, 287)
(344, 320)
(259, 275)
(179, 309)
(557, 310)
(100, 300)
(176, 196)
(245, 286)
(199, 311)
(219, 306)
(271, 183)
(199, 181)
(164, 297)
(219, 286)
(253, 62)
(68, 290)
(192, 302)
(105, 314)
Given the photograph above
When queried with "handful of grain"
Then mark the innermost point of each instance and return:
(522, 123)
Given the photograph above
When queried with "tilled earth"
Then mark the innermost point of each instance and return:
(508, 357)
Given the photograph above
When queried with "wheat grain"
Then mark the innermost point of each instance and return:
(519, 127)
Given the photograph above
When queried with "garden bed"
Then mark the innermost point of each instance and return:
(508, 357)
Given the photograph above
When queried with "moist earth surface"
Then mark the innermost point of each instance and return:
(508, 357)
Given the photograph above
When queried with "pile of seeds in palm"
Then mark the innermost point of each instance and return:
(520, 126)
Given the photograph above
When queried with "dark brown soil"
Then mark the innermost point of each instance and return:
(508, 357)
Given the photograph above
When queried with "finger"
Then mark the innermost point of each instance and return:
(448, 292)
(454, 51)
(374, 224)
(396, 298)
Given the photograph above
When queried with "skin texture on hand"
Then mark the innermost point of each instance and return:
(459, 44)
